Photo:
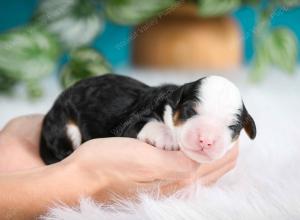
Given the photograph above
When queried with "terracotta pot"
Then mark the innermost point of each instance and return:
(181, 39)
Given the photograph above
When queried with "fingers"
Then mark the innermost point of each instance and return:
(207, 180)
(173, 165)
(170, 187)
(230, 156)
(223, 166)
(214, 176)
(206, 173)
(164, 165)
(148, 161)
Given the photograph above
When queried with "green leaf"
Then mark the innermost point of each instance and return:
(34, 89)
(83, 63)
(7, 83)
(290, 3)
(212, 8)
(278, 47)
(27, 53)
(132, 12)
(260, 62)
(75, 22)
(282, 46)
(251, 2)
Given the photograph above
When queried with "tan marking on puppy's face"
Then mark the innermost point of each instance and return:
(176, 118)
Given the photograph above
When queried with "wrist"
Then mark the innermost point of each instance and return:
(44, 186)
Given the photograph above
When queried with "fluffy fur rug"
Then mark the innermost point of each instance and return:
(264, 185)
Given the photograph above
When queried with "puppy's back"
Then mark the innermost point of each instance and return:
(89, 109)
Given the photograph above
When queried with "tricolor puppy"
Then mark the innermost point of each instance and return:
(202, 118)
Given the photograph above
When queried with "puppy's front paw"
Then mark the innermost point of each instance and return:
(164, 140)
(158, 135)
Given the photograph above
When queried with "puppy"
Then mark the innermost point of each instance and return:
(202, 118)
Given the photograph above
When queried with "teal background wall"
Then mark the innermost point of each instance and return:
(14, 13)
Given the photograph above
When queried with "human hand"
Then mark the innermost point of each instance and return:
(127, 166)
(19, 143)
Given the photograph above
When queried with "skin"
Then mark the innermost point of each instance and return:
(98, 168)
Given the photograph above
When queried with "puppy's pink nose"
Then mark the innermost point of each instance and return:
(206, 143)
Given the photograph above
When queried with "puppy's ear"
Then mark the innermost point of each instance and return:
(186, 92)
(176, 97)
(249, 124)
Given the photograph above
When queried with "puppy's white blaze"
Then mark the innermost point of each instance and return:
(219, 97)
(167, 116)
(74, 135)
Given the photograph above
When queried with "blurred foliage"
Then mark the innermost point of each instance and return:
(278, 47)
(290, 3)
(30, 53)
(212, 8)
(75, 22)
(260, 61)
(84, 62)
(284, 50)
(27, 54)
(273, 46)
(133, 12)
(6, 83)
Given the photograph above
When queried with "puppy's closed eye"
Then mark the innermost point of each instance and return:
(187, 110)
(184, 112)
(236, 129)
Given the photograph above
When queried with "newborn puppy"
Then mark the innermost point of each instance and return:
(202, 118)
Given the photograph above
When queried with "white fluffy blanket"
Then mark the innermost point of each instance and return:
(265, 183)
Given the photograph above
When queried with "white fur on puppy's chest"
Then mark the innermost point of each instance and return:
(159, 135)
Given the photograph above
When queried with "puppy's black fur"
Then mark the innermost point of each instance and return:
(116, 106)
(105, 106)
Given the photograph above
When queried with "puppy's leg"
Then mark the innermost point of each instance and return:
(58, 139)
(159, 135)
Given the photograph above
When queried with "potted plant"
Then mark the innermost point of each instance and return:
(195, 33)
(202, 34)
(180, 38)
